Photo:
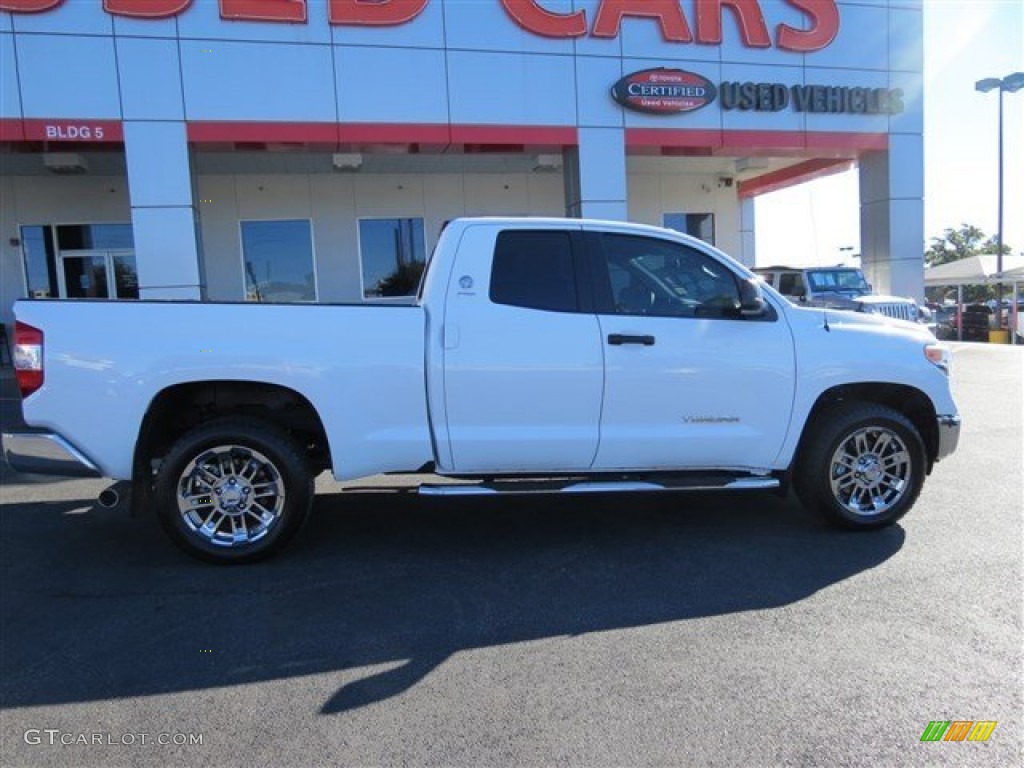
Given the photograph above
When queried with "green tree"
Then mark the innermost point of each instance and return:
(955, 244)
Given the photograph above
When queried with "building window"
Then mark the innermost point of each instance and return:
(278, 260)
(699, 225)
(40, 262)
(80, 261)
(94, 237)
(393, 253)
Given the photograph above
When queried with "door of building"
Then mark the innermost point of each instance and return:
(97, 274)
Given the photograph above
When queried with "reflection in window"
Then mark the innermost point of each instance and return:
(40, 266)
(85, 277)
(655, 277)
(838, 280)
(126, 278)
(699, 225)
(95, 237)
(278, 259)
(790, 284)
(393, 253)
(80, 261)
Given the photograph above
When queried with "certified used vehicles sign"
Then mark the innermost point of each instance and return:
(664, 91)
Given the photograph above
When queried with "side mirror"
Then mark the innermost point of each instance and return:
(751, 300)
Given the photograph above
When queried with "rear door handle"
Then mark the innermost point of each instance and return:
(617, 339)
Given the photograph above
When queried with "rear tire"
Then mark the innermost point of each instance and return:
(233, 490)
(862, 466)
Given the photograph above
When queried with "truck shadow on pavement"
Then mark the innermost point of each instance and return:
(96, 605)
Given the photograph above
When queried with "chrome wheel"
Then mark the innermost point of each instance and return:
(870, 471)
(230, 495)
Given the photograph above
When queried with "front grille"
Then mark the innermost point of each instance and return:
(899, 311)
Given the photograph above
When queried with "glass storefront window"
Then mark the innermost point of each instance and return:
(94, 237)
(80, 261)
(85, 277)
(699, 225)
(40, 268)
(278, 260)
(392, 253)
(126, 279)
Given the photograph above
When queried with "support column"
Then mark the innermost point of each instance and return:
(163, 210)
(892, 217)
(595, 175)
(747, 243)
(892, 181)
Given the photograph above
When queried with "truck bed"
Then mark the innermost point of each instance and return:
(363, 365)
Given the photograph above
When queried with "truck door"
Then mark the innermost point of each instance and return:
(688, 383)
(523, 357)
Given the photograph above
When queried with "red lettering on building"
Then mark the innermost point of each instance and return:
(377, 13)
(263, 10)
(753, 30)
(822, 24)
(531, 17)
(28, 6)
(824, 27)
(146, 9)
(668, 13)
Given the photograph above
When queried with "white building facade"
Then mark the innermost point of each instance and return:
(312, 150)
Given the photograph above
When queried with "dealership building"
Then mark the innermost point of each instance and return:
(312, 150)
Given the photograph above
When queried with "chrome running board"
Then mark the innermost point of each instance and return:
(578, 485)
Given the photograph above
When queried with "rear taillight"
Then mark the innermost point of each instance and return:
(28, 358)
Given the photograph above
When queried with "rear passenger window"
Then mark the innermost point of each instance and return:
(534, 269)
(789, 284)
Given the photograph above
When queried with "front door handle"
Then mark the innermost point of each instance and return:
(617, 339)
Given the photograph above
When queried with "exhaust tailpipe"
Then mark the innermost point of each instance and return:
(110, 497)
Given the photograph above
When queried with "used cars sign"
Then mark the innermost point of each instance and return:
(664, 91)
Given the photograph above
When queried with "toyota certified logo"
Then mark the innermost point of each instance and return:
(664, 91)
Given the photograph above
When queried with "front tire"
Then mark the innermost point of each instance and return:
(233, 490)
(862, 466)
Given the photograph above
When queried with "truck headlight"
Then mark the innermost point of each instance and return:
(938, 355)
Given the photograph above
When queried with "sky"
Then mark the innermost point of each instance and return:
(965, 41)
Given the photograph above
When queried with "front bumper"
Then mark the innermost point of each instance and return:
(949, 435)
(43, 453)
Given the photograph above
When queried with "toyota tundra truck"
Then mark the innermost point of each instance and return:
(540, 355)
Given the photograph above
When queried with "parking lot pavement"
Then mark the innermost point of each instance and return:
(610, 631)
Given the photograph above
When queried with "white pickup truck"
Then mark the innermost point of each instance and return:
(540, 355)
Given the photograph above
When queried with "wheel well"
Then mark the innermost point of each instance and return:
(911, 402)
(178, 409)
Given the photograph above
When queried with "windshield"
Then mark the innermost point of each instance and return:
(837, 280)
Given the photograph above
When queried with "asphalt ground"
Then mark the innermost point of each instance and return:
(667, 630)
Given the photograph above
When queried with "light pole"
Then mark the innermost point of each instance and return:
(1009, 84)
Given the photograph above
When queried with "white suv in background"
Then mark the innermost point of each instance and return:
(837, 287)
